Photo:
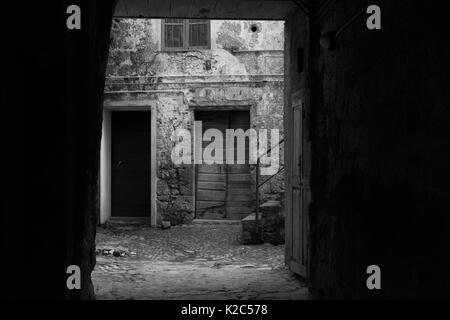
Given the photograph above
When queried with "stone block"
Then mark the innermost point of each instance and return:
(272, 222)
(186, 190)
(165, 224)
(249, 234)
(183, 203)
(162, 188)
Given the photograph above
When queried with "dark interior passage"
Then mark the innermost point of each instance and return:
(130, 164)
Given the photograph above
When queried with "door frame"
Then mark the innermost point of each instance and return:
(249, 106)
(105, 156)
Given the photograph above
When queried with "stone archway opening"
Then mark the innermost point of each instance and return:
(198, 239)
(377, 134)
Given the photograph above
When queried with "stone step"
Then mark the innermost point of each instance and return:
(215, 221)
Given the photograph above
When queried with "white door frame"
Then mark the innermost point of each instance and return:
(105, 156)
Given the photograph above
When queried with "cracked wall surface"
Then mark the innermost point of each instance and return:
(243, 67)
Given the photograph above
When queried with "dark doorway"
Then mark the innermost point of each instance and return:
(130, 164)
(223, 191)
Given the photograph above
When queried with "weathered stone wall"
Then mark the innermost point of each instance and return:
(250, 73)
(380, 162)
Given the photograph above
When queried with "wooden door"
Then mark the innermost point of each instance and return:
(210, 201)
(298, 190)
(223, 191)
(240, 195)
(130, 164)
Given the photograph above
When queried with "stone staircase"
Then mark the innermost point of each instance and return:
(270, 225)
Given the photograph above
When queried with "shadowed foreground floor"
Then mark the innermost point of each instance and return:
(189, 262)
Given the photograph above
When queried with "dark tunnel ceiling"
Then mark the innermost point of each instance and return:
(213, 9)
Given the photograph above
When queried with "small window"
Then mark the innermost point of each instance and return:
(185, 34)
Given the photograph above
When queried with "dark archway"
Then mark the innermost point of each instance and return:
(379, 132)
(51, 127)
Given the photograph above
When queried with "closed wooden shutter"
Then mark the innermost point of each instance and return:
(198, 33)
(173, 32)
(185, 34)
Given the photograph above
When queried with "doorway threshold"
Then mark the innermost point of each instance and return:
(215, 221)
(129, 220)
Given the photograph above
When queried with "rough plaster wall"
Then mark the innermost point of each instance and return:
(174, 185)
(194, 63)
(133, 47)
(135, 44)
(203, 78)
(380, 170)
(238, 35)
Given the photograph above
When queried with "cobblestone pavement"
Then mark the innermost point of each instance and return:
(197, 261)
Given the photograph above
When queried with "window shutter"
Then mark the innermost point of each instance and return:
(174, 33)
(198, 33)
(185, 34)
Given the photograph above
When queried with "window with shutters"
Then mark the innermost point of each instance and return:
(185, 34)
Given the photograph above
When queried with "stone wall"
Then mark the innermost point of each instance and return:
(250, 73)
(270, 227)
(380, 169)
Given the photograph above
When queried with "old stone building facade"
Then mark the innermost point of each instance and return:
(238, 69)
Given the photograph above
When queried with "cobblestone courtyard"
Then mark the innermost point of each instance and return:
(197, 261)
